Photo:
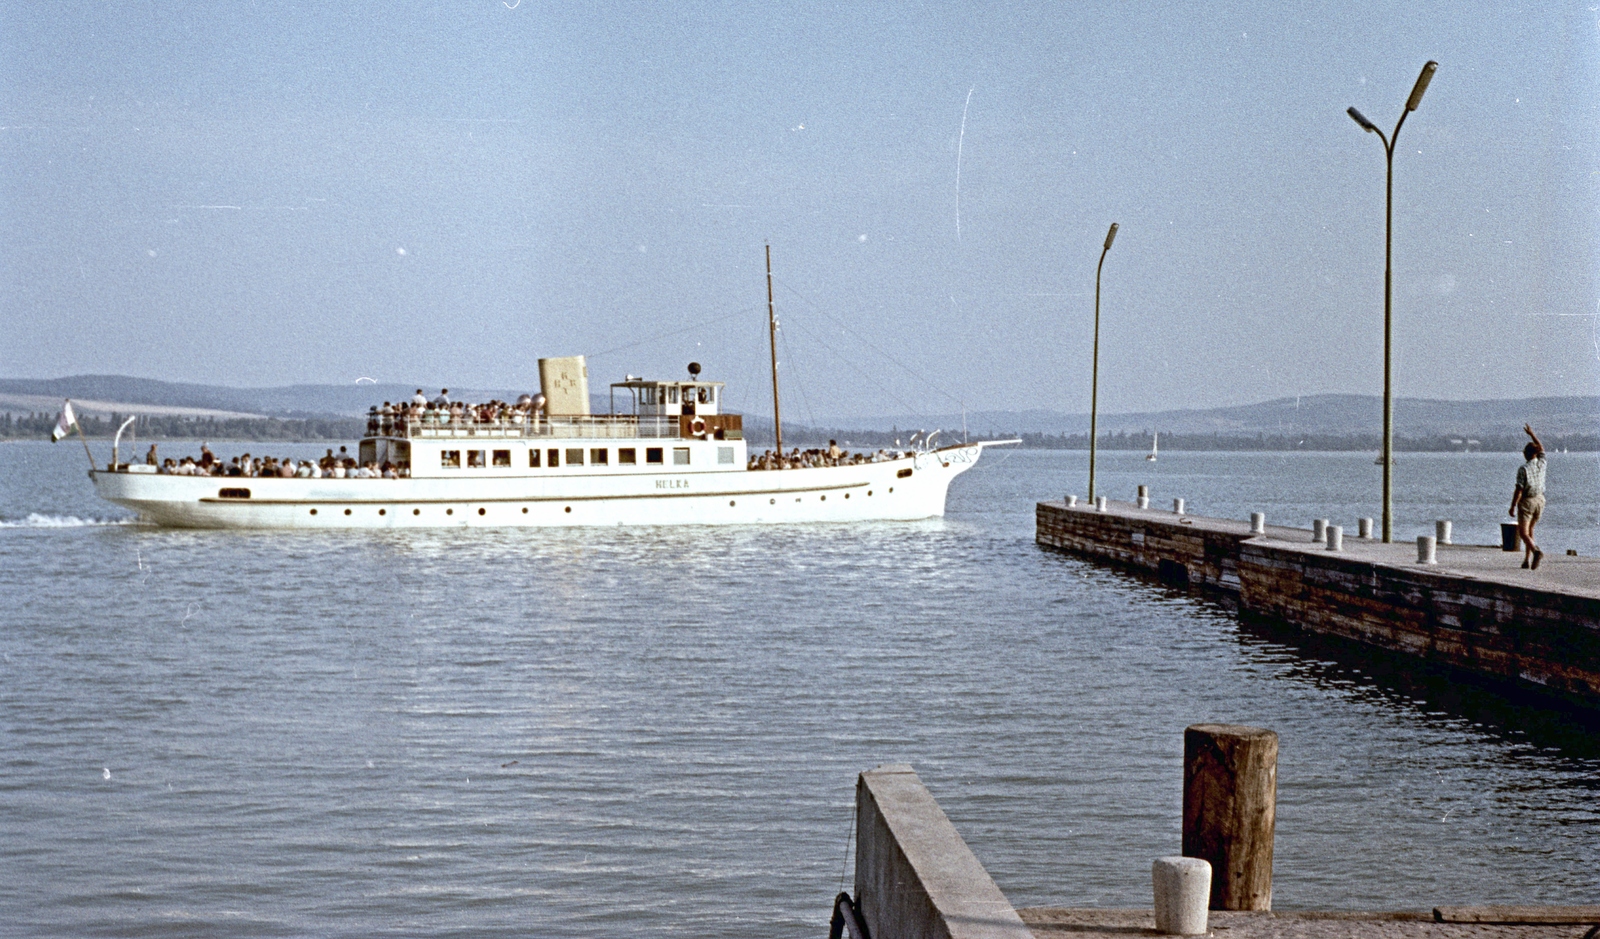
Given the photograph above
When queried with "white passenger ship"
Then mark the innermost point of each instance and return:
(674, 459)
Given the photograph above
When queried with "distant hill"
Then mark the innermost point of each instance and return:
(298, 401)
(1311, 415)
(1311, 421)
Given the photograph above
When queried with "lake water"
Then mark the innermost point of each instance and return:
(656, 732)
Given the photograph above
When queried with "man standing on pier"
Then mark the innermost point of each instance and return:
(1527, 500)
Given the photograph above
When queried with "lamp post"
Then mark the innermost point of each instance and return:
(1094, 382)
(1388, 282)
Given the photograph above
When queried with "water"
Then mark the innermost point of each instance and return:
(656, 732)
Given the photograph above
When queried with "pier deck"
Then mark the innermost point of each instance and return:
(1062, 923)
(1475, 610)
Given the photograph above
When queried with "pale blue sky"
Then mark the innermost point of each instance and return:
(264, 193)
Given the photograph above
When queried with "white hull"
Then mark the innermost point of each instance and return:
(861, 492)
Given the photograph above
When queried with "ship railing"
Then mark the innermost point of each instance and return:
(599, 426)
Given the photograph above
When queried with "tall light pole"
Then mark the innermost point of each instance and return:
(1094, 382)
(1388, 283)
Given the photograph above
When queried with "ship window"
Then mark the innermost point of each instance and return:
(552, 458)
(672, 395)
(680, 456)
(652, 454)
(903, 474)
(725, 455)
(533, 458)
(450, 459)
(599, 456)
(647, 395)
(502, 458)
(574, 456)
(475, 459)
(705, 395)
(233, 493)
(627, 456)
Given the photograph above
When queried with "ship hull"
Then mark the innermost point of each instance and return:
(851, 493)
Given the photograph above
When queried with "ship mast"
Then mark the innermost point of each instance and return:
(772, 334)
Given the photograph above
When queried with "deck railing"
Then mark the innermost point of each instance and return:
(597, 426)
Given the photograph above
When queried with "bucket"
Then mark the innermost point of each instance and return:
(1510, 538)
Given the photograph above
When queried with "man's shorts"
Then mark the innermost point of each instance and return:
(1530, 508)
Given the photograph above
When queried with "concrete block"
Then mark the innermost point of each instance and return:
(915, 876)
(1182, 895)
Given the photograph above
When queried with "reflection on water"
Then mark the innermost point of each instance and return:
(656, 731)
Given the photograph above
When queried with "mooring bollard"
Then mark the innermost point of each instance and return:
(1230, 796)
(1335, 538)
(1144, 492)
(1072, 501)
(1427, 552)
(1182, 893)
(1441, 530)
(1177, 506)
(1258, 523)
(1099, 503)
(1364, 527)
(1319, 529)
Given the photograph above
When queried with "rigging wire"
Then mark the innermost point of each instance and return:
(863, 340)
(799, 387)
(674, 332)
(910, 409)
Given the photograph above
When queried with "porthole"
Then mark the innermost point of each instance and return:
(416, 511)
(480, 511)
(383, 511)
(797, 498)
(869, 492)
(524, 510)
(313, 511)
(823, 499)
(730, 503)
(449, 511)
(347, 511)
(769, 502)
(569, 510)
(891, 489)
(847, 495)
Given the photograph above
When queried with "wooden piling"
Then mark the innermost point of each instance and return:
(1230, 793)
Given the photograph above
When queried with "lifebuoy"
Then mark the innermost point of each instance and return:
(697, 426)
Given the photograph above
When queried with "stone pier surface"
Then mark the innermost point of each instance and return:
(1065, 923)
(1476, 610)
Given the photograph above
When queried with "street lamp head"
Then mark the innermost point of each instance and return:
(1421, 86)
(1361, 119)
(1111, 236)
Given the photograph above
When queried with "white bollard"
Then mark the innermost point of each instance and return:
(1099, 503)
(1258, 523)
(1144, 502)
(1183, 895)
(1441, 530)
(1072, 501)
(1177, 506)
(1364, 526)
(1427, 553)
(1144, 492)
(1319, 529)
(1335, 538)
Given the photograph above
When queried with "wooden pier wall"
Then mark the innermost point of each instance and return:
(1541, 635)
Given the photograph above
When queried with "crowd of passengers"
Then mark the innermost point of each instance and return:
(833, 456)
(393, 419)
(331, 466)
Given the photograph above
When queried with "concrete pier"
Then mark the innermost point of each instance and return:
(1474, 609)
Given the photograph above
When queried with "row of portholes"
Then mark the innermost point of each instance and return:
(481, 511)
(819, 498)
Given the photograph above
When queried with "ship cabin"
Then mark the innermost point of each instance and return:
(668, 426)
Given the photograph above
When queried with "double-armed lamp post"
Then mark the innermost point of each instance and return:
(1388, 282)
(1094, 381)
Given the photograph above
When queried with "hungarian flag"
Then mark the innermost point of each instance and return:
(65, 422)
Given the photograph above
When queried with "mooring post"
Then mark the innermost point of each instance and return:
(1177, 506)
(1364, 526)
(1335, 535)
(1319, 529)
(1230, 794)
(1258, 523)
(1441, 530)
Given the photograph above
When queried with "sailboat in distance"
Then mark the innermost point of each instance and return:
(1151, 456)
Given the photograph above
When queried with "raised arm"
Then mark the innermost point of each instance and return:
(1528, 429)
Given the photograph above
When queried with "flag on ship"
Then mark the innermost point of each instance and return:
(65, 422)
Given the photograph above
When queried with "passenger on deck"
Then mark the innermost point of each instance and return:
(443, 401)
(419, 399)
(150, 458)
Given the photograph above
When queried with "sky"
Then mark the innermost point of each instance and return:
(266, 193)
